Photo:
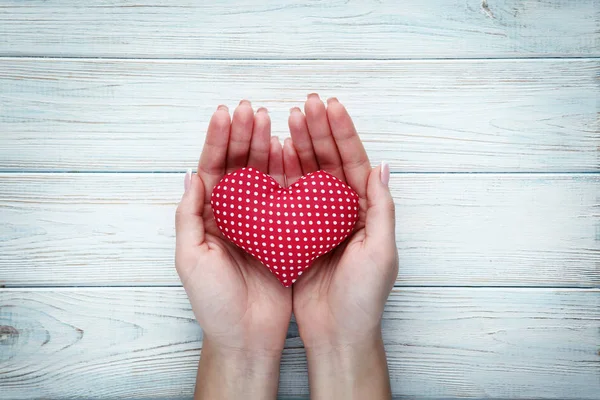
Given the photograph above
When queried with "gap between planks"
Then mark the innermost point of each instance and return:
(294, 61)
(177, 288)
(500, 173)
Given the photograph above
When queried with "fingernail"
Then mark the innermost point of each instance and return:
(187, 181)
(332, 100)
(244, 101)
(262, 109)
(223, 107)
(385, 173)
(293, 109)
(313, 95)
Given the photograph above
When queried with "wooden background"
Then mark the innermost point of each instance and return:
(487, 110)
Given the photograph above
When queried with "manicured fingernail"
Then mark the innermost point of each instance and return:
(223, 107)
(385, 173)
(313, 95)
(332, 100)
(244, 101)
(187, 181)
(262, 109)
(294, 109)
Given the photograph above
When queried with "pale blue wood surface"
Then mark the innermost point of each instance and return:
(420, 116)
(291, 29)
(441, 343)
(106, 229)
(497, 292)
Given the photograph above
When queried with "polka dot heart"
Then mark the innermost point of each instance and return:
(286, 229)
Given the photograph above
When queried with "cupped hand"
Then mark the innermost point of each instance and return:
(236, 300)
(339, 300)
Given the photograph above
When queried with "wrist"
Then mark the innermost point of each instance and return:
(265, 336)
(322, 338)
(343, 354)
(242, 351)
(233, 372)
(343, 369)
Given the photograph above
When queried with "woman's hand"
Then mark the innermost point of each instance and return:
(339, 301)
(243, 310)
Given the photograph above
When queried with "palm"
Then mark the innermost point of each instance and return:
(329, 294)
(251, 301)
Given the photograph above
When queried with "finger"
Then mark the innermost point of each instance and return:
(189, 225)
(276, 161)
(211, 166)
(301, 141)
(241, 134)
(380, 219)
(324, 146)
(355, 161)
(260, 143)
(291, 163)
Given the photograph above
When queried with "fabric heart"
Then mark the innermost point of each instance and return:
(286, 229)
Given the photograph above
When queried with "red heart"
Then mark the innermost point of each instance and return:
(286, 229)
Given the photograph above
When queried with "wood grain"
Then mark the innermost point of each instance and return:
(300, 30)
(500, 116)
(441, 343)
(452, 229)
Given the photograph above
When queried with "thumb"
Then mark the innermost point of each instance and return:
(381, 219)
(189, 225)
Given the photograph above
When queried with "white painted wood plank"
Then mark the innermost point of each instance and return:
(115, 115)
(452, 229)
(441, 343)
(300, 30)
